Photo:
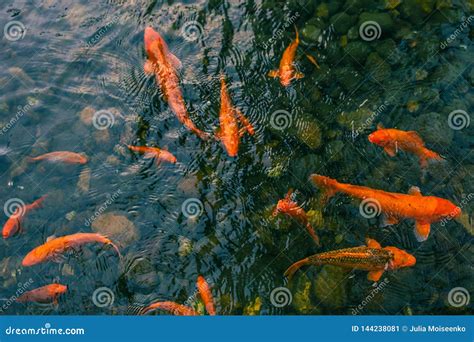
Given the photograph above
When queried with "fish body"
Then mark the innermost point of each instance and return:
(206, 295)
(172, 307)
(395, 206)
(45, 294)
(154, 152)
(66, 157)
(286, 71)
(164, 64)
(229, 118)
(13, 224)
(393, 140)
(291, 208)
(52, 249)
(372, 258)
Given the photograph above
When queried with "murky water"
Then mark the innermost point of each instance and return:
(65, 61)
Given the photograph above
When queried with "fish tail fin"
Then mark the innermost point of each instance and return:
(297, 38)
(429, 156)
(39, 202)
(115, 247)
(295, 267)
(313, 234)
(328, 185)
(31, 159)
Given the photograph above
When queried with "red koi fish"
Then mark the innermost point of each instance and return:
(291, 208)
(52, 249)
(423, 209)
(394, 139)
(172, 307)
(45, 294)
(154, 152)
(61, 157)
(286, 71)
(206, 295)
(229, 118)
(372, 258)
(13, 224)
(164, 64)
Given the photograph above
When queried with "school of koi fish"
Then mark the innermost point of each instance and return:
(423, 210)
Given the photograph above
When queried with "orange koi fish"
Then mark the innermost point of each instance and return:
(394, 139)
(52, 249)
(423, 209)
(164, 64)
(154, 152)
(61, 157)
(291, 208)
(172, 307)
(286, 71)
(45, 294)
(229, 118)
(372, 258)
(206, 295)
(13, 224)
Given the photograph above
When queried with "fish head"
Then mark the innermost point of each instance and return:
(379, 137)
(83, 159)
(151, 36)
(167, 156)
(10, 227)
(445, 208)
(280, 207)
(400, 258)
(37, 255)
(58, 289)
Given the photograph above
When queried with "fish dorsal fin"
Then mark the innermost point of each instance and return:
(51, 237)
(372, 243)
(415, 136)
(414, 191)
(380, 126)
(289, 194)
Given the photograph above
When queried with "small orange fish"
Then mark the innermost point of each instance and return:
(423, 209)
(172, 307)
(206, 295)
(291, 208)
(286, 71)
(164, 64)
(52, 249)
(13, 224)
(62, 157)
(229, 118)
(45, 294)
(394, 139)
(154, 152)
(372, 258)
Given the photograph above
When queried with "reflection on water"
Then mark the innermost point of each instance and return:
(73, 80)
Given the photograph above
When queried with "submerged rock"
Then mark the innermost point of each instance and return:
(302, 296)
(330, 286)
(308, 132)
(117, 227)
(142, 274)
(434, 129)
(253, 308)
(83, 184)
